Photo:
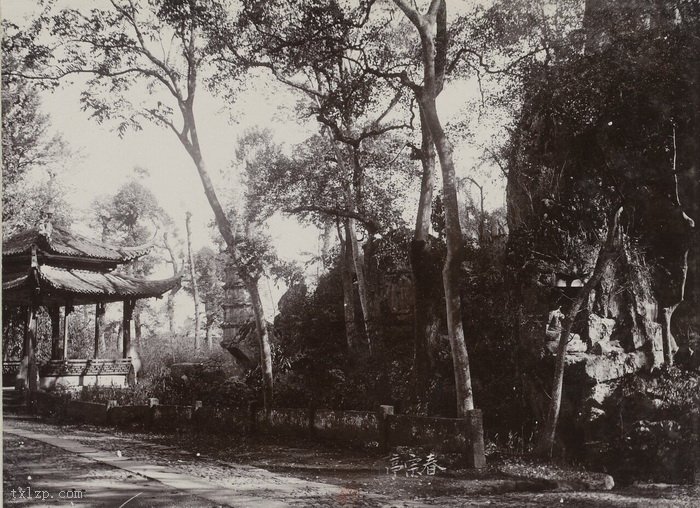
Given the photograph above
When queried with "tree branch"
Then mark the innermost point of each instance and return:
(172, 75)
(486, 68)
(412, 12)
(371, 225)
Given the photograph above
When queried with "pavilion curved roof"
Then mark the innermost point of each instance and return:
(60, 242)
(52, 266)
(60, 285)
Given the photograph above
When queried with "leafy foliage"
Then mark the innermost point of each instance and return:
(28, 147)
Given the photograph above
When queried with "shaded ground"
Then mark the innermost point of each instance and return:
(57, 477)
(305, 474)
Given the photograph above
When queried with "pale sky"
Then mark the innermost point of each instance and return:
(106, 161)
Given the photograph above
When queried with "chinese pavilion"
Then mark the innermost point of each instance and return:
(53, 268)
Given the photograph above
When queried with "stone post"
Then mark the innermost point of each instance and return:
(476, 457)
(384, 414)
(111, 404)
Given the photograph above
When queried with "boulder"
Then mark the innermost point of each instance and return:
(643, 331)
(600, 392)
(599, 328)
(599, 369)
(575, 345)
(605, 348)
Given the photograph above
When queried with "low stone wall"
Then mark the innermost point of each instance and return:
(348, 426)
(443, 434)
(383, 428)
(223, 420)
(171, 417)
(446, 435)
(284, 421)
(129, 416)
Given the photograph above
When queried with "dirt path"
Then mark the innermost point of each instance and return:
(38, 474)
(65, 457)
(47, 462)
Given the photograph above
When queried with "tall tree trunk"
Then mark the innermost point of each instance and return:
(326, 243)
(451, 271)
(423, 308)
(228, 234)
(358, 261)
(189, 138)
(171, 294)
(352, 335)
(207, 331)
(193, 278)
(354, 204)
(263, 342)
(453, 259)
(545, 446)
(351, 239)
(482, 214)
(678, 275)
(431, 28)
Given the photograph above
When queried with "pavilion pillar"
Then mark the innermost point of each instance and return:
(29, 353)
(7, 332)
(66, 312)
(126, 327)
(55, 315)
(99, 327)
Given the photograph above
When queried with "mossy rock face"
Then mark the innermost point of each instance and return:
(595, 133)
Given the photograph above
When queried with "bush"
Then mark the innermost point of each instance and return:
(649, 425)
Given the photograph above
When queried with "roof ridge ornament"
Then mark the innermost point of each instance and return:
(35, 261)
(46, 228)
